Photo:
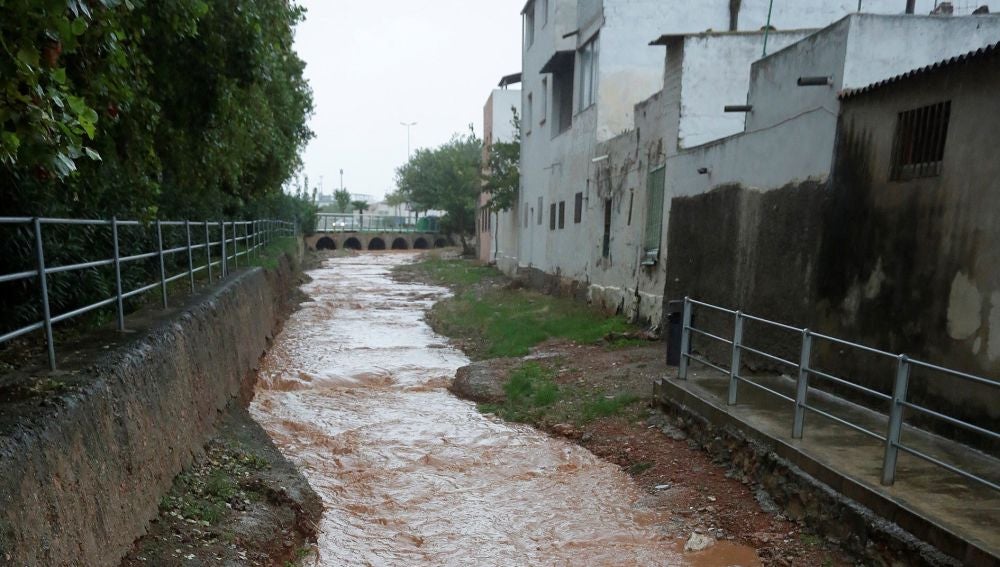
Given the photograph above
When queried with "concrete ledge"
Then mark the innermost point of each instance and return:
(869, 520)
(81, 473)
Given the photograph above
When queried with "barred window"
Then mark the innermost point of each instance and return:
(578, 208)
(562, 214)
(918, 149)
(654, 216)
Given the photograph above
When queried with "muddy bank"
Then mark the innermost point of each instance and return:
(87, 452)
(239, 503)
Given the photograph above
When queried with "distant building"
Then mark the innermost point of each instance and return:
(496, 232)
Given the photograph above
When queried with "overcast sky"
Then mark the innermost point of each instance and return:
(375, 63)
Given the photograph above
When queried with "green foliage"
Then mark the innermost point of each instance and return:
(360, 206)
(502, 176)
(452, 272)
(446, 178)
(138, 109)
(342, 200)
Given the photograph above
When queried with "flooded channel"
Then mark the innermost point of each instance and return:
(353, 392)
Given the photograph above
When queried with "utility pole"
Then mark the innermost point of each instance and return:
(408, 125)
(341, 179)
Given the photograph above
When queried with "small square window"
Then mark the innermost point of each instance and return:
(918, 148)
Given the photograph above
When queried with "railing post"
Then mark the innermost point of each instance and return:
(187, 228)
(236, 246)
(163, 267)
(208, 252)
(802, 385)
(895, 419)
(734, 365)
(682, 368)
(120, 304)
(256, 247)
(43, 283)
(222, 238)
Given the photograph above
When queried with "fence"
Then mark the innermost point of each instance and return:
(897, 401)
(345, 222)
(242, 239)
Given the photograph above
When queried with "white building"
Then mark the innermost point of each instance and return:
(497, 232)
(586, 65)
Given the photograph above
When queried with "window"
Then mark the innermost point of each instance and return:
(562, 215)
(544, 106)
(526, 217)
(631, 200)
(540, 213)
(543, 11)
(562, 99)
(588, 73)
(552, 216)
(918, 149)
(606, 242)
(529, 25)
(654, 216)
(578, 208)
(527, 114)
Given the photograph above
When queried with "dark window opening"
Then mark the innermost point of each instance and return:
(552, 216)
(631, 200)
(606, 244)
(541, 210)
(578, 208)
(562, 215)
(918, 149)
(562, 99)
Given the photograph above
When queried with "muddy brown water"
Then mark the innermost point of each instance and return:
(353, 392)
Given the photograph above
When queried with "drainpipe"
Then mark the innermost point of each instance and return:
(767, 27)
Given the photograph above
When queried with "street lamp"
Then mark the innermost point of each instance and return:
(408, 125)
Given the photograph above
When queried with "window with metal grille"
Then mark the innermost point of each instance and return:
(918, 149)
(578, 208)
(562, 215)
(552, 216)
(654, 216)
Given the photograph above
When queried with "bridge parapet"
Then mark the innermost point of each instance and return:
(346, 222)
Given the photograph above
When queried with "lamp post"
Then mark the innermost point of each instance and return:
(408, 125)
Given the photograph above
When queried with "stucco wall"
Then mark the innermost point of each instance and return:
(80, 480)
(907, 267)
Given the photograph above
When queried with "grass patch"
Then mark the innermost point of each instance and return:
(507, 322)
(607, 407)
(530, 390)
(271, 254)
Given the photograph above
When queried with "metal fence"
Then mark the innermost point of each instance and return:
(221, 243)
(346, 222)
(897, 401)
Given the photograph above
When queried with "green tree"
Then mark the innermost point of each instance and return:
(502, 174)
(342, 200)
(446, 178)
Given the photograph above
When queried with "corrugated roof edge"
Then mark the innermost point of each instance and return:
(981, 53)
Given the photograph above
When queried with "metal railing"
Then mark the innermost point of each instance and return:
(897, 401)
(346, 222)
(235, 240)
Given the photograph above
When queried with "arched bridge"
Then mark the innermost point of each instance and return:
(376, 241)
(373, 232)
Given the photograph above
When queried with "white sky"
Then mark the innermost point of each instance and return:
(375, 63)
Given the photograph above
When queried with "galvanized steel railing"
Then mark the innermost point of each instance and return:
(897, 400)
(243, 238)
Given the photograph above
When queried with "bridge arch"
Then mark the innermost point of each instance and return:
(400, 244)
(440, 243)
(353, 244)
(376, 244)
(326, 243)
(421, 243)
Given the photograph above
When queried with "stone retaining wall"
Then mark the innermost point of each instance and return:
(81, 478)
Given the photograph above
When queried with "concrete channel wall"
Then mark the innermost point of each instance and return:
(79, 483)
